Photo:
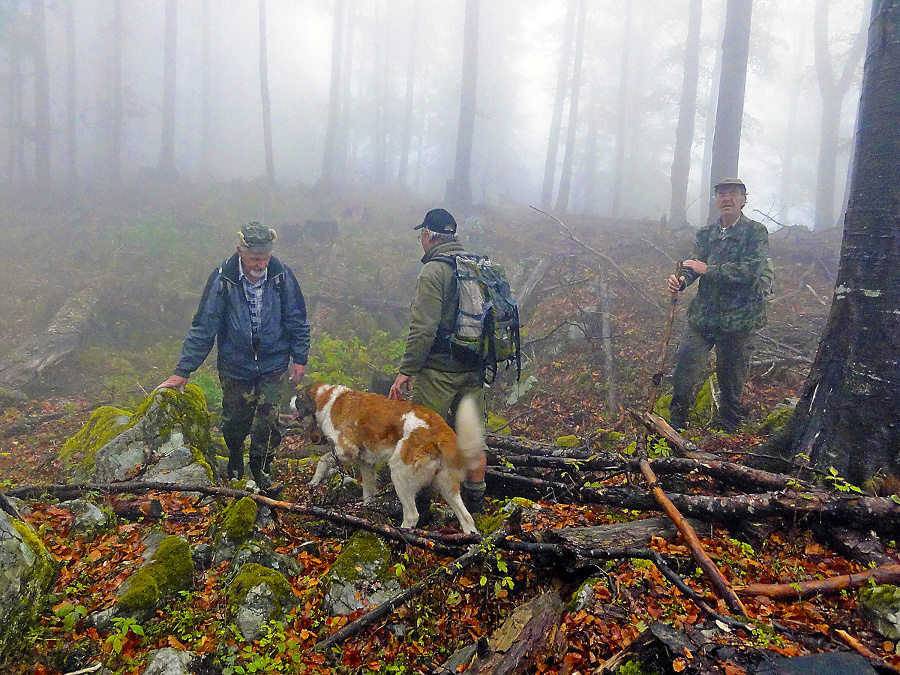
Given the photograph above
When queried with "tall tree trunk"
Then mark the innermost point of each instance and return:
(167, 144)
(41, 93)
(589, 176)
(406, 136)
(459, 190)
(687, 111)
(71, 96)
(15, 160)
(264, 93)
(710, 125)
(847, 414)
(789, 147)
(334, 98)
(565, 178)
(732, 83)
(832, 90)
(205, 89)
(559, 102)
(622, 121)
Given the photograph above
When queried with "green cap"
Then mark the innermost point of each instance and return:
(256, 238)
(730, 181)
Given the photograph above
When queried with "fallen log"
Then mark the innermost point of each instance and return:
(658, 425)
(806, 589)
(137, 508)
(719, 584)
(514, 647)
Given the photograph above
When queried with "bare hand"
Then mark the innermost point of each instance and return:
(174, 382)
(697, 265)
(296, 374)
(675, 284)
(400, 387)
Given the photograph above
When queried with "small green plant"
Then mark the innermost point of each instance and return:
(124, 626)
(839, 483)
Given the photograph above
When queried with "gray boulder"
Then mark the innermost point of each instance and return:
(256, 596)
(27, 570)
(89, 519)
(360, 576)
(169, 661)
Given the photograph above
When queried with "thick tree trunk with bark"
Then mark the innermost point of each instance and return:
(459, 190)
(847, 415)
(732, 83)
(687, 110)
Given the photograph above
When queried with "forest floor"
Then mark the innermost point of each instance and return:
(574, 395)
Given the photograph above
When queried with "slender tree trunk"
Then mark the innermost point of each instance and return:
(710, 125)
(847, 414)
(167, 145)
(732, 83)
(334, 99)
(687, 111)
(832, 90)
(71, 96)
(786, 187)
(559, 102)
(264, 93)
(589, 177)
(15, 160)
(406, 139)
(116, 114)
(565, 178)
(205, 89)
(622, 123)
(459, 189)
(41, 93)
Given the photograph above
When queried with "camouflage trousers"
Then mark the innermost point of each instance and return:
(250, 407)
(733, 351)
(442, 391)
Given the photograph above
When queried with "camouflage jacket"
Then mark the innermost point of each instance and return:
(730, 297)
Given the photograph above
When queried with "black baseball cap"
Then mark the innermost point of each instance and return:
(438, 220)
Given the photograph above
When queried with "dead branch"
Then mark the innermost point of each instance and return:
(471, 556)
(889, 574)
(605, 258)
(719, 584)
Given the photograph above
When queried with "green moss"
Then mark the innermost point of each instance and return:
(636, 668)
(105, 424)
(884, 596)
(238, 518)
(364, 556)
(776, 419)
(169, 570)
(568, 441)
(488, 524)
(253, 575)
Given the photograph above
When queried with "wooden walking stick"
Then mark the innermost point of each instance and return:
(719, 583)
(664, 346)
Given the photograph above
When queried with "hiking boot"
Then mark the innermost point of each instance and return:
(423, 506)
(473, 496)
(235, 466)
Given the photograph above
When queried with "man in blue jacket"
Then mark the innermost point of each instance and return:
(253, 307)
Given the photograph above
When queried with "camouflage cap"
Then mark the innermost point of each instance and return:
(256, 238)
(730, 181)
(438, 220)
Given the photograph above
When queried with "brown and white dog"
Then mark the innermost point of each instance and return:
(416, 443)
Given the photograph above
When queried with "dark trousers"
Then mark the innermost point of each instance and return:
(251, 407)
(733, 352)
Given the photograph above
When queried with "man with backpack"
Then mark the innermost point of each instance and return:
(253, 308)
(431, 374)
(731, 261)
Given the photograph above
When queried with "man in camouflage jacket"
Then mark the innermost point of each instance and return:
(434, 377)
(731, 261)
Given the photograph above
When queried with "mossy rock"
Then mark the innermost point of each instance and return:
(169, 570)
(27, 570)
(253, 575)
(776, 419)
(113, 443)
(238, 518)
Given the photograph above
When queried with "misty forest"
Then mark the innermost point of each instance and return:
(579, 145)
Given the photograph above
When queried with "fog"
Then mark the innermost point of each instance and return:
(520, 43)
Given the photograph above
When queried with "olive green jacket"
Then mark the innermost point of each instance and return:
(433, 309)
(730, 297)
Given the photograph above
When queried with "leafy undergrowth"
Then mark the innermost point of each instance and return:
(628, 594)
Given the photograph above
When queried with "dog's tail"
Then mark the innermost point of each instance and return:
(469, 431)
